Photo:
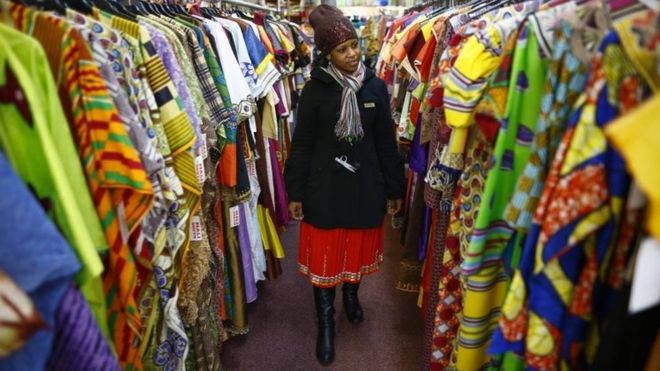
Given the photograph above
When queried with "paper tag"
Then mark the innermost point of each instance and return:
(199, 169)
(252, 169)
(644, 292)
(204, 150)
(369, 105)
(123, 227)
(651, 4)
(234, 217)
(195, 229)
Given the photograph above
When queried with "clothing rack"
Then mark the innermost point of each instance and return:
(428, 4)
(252, 5)
(435, 4)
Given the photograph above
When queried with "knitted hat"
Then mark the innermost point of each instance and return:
(331, 28)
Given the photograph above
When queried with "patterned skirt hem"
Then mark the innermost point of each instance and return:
(352, 277)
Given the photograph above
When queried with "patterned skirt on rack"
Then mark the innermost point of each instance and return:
(329, 257)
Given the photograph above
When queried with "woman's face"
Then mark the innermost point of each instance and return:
(346, 56)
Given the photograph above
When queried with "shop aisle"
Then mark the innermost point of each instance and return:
(283, 323)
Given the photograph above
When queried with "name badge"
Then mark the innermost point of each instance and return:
(369, 105)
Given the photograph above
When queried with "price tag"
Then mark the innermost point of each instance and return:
(123, 227)
(199, 169)
(196, 229)
(234, 217)
(204, 149)
(252, 168)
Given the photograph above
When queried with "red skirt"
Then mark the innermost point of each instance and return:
(329, 257)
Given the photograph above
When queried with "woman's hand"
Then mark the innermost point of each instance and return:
(393, 206)
(295, 210)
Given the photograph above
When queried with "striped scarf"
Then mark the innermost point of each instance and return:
(349, 126)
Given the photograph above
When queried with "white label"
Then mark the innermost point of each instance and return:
(652, 4)
(252, 168)
(644, 292)
(196, 229)
(199, 168)
(123, 227)
(204, 150)
(234, 217)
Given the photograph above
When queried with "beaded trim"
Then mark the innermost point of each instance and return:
(341, 277)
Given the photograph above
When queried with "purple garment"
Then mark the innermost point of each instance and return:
(246, 256)
(424, 236)
(418, 152)
(281, 202)
(79, 344)
(37, 257)
(173, 68)
(279, 107)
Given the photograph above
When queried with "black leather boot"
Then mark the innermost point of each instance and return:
(352, 305)
(325, 312)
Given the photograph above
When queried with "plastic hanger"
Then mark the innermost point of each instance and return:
(165, 10)
(239, 12)
(114, 8)
(54, 5)
(139, 8)
(83, 6)
(487, 7)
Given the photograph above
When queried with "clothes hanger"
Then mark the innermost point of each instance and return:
(488, 7)
(56, 6)
(152, 8)
(179, 9)
(207, 13)
(165, 10)
(238, 11)
(139, 8)
(115, 9)
(82, 6)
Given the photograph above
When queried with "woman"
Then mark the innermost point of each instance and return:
(342, 168)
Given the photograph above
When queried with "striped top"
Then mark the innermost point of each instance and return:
(219, 115)
(112, 54)
(110, 49)
(182, 75)
(176, 124)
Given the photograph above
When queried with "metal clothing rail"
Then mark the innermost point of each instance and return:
(425, 4)
(437, 4)
(252, 5)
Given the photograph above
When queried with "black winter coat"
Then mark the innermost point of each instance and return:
(332, 196)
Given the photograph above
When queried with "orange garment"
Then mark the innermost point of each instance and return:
(329, 257)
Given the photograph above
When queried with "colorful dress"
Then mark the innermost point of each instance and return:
(550, 316)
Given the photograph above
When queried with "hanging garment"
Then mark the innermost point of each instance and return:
(48, 162)
(572, 242)
(44, 271)
(78, 340)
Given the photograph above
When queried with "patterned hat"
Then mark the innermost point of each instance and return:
(331, 28)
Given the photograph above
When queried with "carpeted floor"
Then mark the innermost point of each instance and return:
(283, 324)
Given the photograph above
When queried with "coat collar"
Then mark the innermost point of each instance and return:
(324, 77)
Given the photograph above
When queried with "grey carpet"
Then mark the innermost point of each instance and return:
(283, 324)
